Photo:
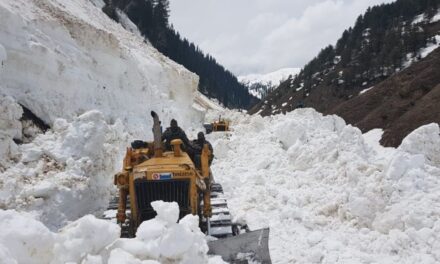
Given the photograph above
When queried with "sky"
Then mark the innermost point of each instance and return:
(262, 36)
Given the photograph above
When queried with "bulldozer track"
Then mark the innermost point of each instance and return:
(221, 222)
(110, 215)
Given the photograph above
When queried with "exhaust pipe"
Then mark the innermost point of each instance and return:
(176, 143)
(157, 133)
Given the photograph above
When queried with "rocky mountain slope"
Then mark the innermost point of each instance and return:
(399, 104)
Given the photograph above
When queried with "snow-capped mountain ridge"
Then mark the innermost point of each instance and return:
(260, 84)
(273, 78)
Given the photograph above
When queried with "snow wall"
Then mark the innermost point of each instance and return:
(62, 58)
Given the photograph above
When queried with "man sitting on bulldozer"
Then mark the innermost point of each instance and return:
(197, 146)
(175, 132)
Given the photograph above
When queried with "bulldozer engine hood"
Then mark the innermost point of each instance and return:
(165, 168)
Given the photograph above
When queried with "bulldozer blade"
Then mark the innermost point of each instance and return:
(251, 246)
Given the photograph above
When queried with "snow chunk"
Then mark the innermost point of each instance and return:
(86, 236)
(168, 212)
(162, 238)
(93, 241)
(426, 141)
(24, 239)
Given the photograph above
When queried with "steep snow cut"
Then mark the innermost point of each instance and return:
(62, 58)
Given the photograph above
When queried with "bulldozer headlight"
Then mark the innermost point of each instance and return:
(122, 179)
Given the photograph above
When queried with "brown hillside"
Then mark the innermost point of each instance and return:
(399, 104)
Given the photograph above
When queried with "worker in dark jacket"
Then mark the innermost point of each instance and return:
(198, 144)
(175, 132)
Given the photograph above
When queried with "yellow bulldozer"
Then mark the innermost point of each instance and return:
(218, 125)
(150, 173)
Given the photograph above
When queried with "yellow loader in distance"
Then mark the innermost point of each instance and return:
(220, 125)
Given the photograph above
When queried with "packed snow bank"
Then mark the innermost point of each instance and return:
(62, 58)
(327, 194)
(62, 174)
(89, 240)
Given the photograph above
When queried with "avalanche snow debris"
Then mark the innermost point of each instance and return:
(62, 174)
(329, 195)
(23, 239)
(89, 240)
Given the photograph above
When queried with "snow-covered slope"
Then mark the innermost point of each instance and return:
(259, 84)
(61, 58)
(329, 196)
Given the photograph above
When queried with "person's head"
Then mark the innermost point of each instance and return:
(173, 124)
(201, 137)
